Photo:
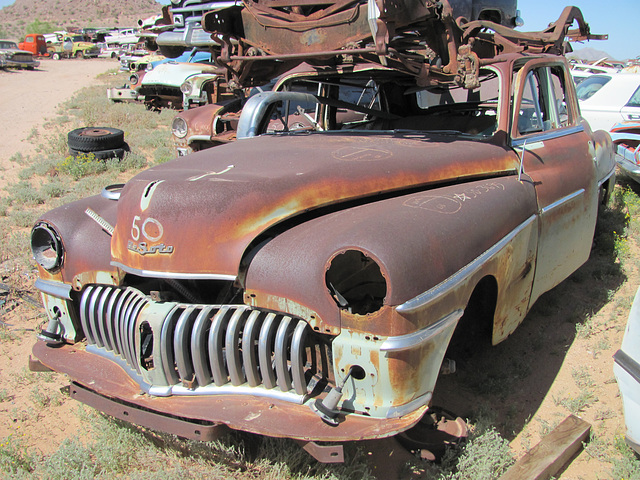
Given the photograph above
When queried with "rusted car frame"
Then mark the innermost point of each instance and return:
(307, 280)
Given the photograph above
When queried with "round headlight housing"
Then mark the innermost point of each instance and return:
(186, 88)
(46, 247)
(179, 127)
(356, 282)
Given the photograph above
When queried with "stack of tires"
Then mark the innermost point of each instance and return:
(103, 142)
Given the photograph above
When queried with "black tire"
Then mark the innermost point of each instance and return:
(56, 56)
(79, 54)
(103, 154)
(91, 139)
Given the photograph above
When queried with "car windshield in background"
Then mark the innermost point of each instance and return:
(389, 102)
(589, 86)
(8, 45)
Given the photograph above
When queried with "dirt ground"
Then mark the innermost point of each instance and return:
(30, 97)
(543, 367)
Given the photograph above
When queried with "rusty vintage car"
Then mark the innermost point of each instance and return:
(306, 280)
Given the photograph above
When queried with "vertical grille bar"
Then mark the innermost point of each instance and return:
(216, 346)
(298, 357)
(232, 350)
(120, 306)
(282, 344)
(137, 305)
(124, 327)
(111, 319)
(250, 348)
(101, 331)
(92, 332)
(181, 345)
(166, 344)
(199, 351)
(265, 347)
(84, 313)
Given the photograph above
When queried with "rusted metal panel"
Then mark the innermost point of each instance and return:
(427, 222)
(233, 201)
(146, 418)
(89, 242)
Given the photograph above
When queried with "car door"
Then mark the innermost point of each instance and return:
(557, 154)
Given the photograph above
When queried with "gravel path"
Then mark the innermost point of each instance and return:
(29, 97)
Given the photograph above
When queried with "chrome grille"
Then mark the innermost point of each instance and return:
(21, 57)
(205, 345)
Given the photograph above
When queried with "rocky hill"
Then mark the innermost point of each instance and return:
(15, 19)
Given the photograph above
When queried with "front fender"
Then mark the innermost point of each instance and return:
(418, 240)
(86, 244)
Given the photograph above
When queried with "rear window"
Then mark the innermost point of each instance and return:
(590, 85)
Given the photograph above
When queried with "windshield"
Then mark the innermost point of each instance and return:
(8, 45)
(384, 103)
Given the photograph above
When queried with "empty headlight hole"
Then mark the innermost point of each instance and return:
(46, 246)
(356, 282)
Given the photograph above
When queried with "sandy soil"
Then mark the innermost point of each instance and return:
(539, 362)
(29, 97)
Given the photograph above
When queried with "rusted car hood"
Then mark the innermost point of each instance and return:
(213, 204)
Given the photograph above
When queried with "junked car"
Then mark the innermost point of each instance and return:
(626, 140)
(157, 81)
(161, 86)
(306, 280)
(610, 98)
(12, 57)
(72, 46)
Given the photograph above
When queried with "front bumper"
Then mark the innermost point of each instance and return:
(199, 416)
(20, 64)
(124, 95)
(628, 165)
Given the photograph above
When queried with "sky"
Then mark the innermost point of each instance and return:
(618, 19)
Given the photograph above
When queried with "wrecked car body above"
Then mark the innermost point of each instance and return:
(307, 279)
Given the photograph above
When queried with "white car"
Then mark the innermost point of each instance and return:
(627, 372)
(607, 99)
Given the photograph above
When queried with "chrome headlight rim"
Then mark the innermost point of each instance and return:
(47, 247)
(179, 127)
(186, 88)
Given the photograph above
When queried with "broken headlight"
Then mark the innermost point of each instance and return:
(179, 127)
(356, 282)
(46, 246)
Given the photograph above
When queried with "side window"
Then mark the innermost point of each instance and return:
(634, 101)
(543, 105)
